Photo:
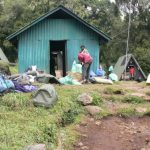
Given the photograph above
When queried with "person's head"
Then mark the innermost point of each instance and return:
(82, 47)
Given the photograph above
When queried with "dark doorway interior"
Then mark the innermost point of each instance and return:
(57, 57)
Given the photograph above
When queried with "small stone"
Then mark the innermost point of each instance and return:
(147, 140)
(141, 110)
(93, 110)
(91, 119)
(85, 148)
(83, 124)
(85, 99)
(84, 135)
(98, 123)
(121, 132)
(138, 131)
(131, 140)
(80, 144)
(143, 149)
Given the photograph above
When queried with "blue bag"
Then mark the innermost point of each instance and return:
(3, 86)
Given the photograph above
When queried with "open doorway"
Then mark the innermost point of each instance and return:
(58, 58)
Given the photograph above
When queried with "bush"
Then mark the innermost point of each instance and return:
(69, 116)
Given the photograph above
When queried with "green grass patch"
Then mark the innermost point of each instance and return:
(16, 101)
(13, 69)
(103, 114)
(97, 99)
(148, 93)
(126, 112)
(132, 99)
(114, 90)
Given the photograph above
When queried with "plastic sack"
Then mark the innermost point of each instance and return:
(100, 72)
(68, 81)
(148, 80)
(92, 74)
(79, 68)
(3, 86)
(113, 77)
(73, 69)
(9, 84)
(110, 69)
(101, 80)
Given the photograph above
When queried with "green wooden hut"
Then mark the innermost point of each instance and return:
(57, 34)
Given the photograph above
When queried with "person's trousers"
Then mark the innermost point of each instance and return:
(86, 71)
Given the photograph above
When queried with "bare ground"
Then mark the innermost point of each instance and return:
(114, 133)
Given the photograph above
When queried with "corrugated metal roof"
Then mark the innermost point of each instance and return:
(67, 11)
(120, 65)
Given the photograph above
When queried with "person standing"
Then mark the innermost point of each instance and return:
(86, 60)
(132, 72)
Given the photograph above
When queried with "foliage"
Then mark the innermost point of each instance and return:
(113, 20)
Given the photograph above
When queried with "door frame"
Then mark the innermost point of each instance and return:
(64, 54)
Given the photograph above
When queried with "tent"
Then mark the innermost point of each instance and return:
(120, 68)
(2, 56)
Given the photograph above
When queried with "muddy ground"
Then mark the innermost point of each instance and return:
(114, 133)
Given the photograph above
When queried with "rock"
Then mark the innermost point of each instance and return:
(83, 124)
(84, 148)
(93, 110)
(36, 147)
(80, 144)
(84, 135)
(131, 140)
(85, 99)
(98, 123)
(141, 110)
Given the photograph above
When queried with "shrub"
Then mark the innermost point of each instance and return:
(69, 116)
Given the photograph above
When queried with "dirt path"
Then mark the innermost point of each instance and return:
(114, 133)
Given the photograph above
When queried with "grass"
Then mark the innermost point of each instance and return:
(132, 99)
(23, 124)
(13, 69)
(97, 99)
(148, 93)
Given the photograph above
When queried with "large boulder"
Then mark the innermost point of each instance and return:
(85, 99)
(4, 68)
(45, 96)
